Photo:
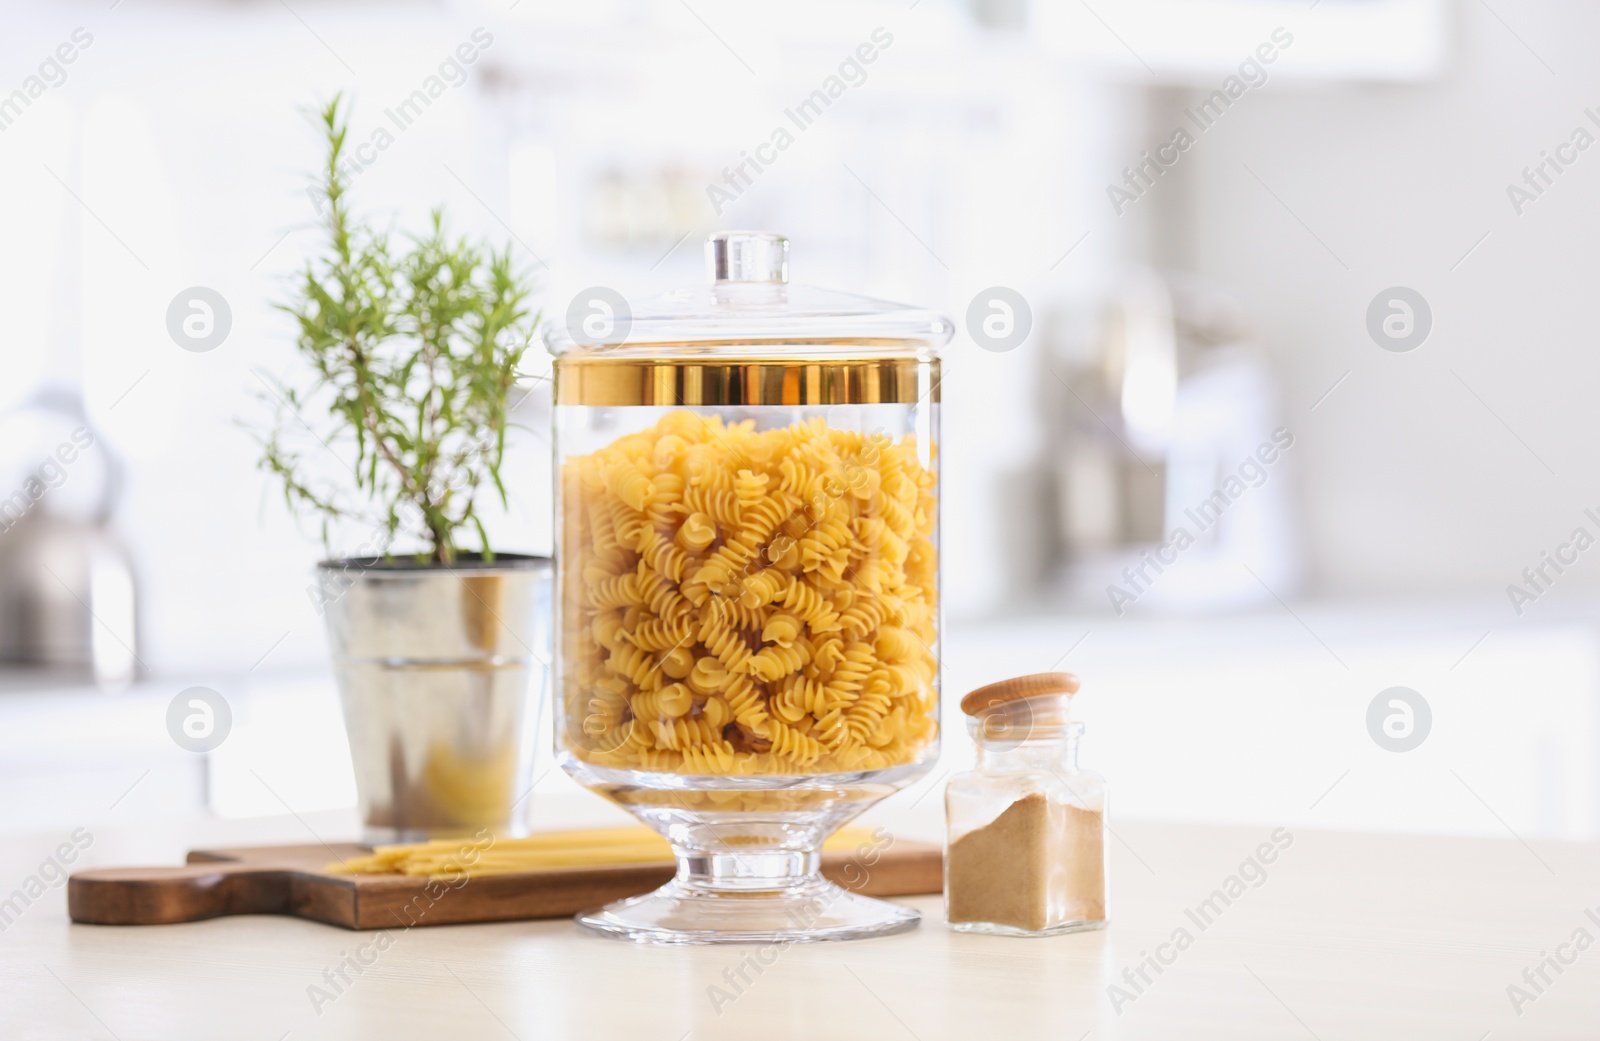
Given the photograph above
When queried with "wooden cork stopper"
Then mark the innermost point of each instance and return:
(1017, 688)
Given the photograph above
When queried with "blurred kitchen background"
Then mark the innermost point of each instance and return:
(1190, 294)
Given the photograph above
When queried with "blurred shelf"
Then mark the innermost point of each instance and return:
(1196, 40)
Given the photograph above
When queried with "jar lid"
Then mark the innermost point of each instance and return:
(1018, 688)
(748, 307)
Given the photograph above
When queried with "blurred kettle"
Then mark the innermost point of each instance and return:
(1174, 396)
(67, 595)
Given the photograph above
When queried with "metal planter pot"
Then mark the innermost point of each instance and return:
(441, 671)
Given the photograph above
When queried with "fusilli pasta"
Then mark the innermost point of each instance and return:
(745, 602)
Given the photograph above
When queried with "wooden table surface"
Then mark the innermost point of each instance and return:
(1341, 936)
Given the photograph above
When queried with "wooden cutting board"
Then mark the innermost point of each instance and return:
(293, 880)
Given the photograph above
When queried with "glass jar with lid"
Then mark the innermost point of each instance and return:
(1025, 852)
(747, 592)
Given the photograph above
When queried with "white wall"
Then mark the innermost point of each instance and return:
(1410, 482)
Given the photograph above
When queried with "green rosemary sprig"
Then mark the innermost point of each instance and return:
(415, 351)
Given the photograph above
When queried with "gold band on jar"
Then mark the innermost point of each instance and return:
(613, 382)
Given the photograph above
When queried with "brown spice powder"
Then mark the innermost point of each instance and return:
(1037, 865)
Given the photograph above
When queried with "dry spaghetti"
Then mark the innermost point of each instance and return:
(546, 851)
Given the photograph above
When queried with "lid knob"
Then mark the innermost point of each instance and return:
(747, 256)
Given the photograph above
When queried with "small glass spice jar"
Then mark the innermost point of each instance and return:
(1025, 851)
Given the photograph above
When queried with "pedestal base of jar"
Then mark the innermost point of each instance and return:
(749, 856)
(811, 911)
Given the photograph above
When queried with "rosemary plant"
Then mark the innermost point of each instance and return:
(415, 349)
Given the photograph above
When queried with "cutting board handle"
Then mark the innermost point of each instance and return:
(163, 895)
